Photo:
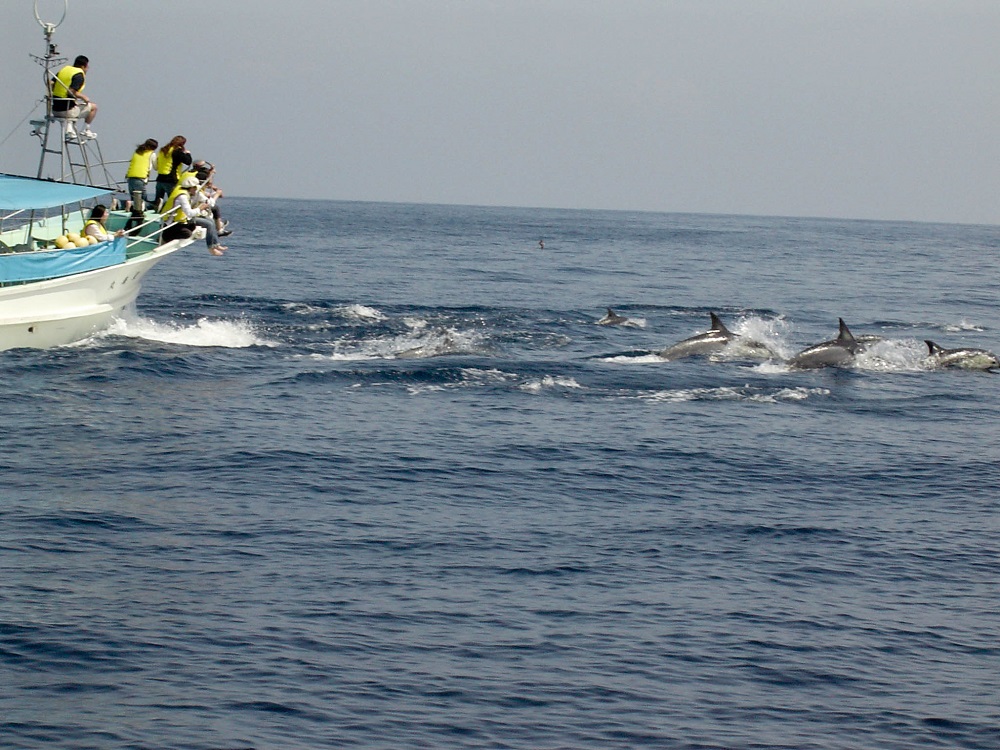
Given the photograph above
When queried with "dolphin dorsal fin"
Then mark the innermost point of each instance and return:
(932, 348)
(611, 313)
(845, 332)
(718, 325)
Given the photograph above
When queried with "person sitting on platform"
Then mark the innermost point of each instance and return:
(95, 225)
(186, 212)
(67, 93)
(205, 171)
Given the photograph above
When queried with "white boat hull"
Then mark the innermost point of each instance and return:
(55, 312)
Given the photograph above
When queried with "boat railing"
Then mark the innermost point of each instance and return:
(33, 233)
(146, 236)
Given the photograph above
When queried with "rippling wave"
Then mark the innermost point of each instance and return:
(378, 478)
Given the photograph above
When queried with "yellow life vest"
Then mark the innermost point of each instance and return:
(64, 79)
(95, 221)
(139, 166)
(165, 164)
(164, 160)
(179, 214)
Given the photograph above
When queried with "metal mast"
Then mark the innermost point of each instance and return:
(64, 158)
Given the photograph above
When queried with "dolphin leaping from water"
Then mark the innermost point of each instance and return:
(966, 358)
(838, 352)
(714, 340)
(711, 341)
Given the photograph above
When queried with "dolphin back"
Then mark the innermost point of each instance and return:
(835, 353)
(612, 319)
(709, 342)
(966, 359)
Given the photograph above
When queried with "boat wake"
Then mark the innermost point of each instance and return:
(228, 334)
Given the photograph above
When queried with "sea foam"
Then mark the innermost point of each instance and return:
(230, 334)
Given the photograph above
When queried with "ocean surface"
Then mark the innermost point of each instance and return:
(377, 478)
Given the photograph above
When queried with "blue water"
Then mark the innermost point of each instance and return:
(377, 479)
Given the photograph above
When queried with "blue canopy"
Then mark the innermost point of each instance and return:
(25, 192)
(52, 264)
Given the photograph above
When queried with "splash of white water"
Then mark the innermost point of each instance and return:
(232, 334)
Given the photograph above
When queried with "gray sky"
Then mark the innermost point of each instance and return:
(882, 109)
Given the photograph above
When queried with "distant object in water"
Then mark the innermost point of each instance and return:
(712, 341)
(612, 319)
(965, 358)
(541, 244)
(838, 352)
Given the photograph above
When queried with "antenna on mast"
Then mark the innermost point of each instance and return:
(51, 58)
(50, 27)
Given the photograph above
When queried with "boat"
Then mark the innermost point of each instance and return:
(56, 287)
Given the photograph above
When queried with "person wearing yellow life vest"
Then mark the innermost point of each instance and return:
(95, 225)
(184, 210)
(170, 162)
(67, 95)
(137, 174)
